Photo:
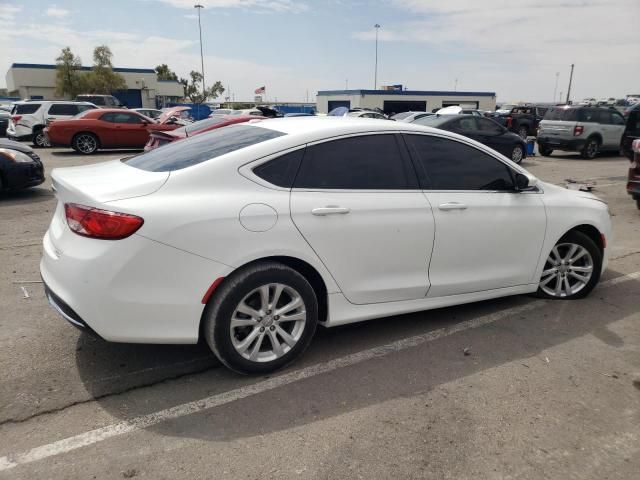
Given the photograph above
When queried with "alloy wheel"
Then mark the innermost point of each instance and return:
(86, 143)
(592, 149)
(40, 140)
(516, 154)
(567, 270)
(268, 322)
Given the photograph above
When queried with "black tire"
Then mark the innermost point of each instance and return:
(590, 149)
(637, 201)
(583, 240)
(523, 132)
(517, 154)
(216, 327)
(85, 143)
(544, 150)
(39, 139)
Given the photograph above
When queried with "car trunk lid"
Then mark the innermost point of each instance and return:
(105, 182)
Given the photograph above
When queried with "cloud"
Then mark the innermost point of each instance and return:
(515, 46)
(56, 12)
(8, 12)
(257, 6)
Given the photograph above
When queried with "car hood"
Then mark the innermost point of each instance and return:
(20, 147)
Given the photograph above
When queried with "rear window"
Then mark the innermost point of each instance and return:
(26, 108)
(198, 149)
(562, 114)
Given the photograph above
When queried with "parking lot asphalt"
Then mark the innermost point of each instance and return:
(546, 389)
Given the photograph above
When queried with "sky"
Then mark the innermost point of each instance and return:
(517, 49)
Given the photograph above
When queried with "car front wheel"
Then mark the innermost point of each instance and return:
(261, 318)
(572, 268)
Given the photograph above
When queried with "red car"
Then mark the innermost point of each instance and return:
(159, 138)
(101, 128)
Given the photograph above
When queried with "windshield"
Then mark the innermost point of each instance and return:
(198, 149)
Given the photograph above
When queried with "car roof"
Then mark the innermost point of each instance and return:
(316, 128)
(32, 101)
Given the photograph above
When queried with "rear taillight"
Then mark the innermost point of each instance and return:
(509, 122)
(95, 223)
(16, 118)
(578, 130)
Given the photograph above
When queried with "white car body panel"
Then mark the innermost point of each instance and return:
(379, 251)
(468, 255)
(203, 222)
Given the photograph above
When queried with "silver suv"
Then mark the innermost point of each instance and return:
(29, 118)
(587, 130)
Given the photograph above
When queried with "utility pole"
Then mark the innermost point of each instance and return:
(200, 7)
(555, 89)
(375, 76)
(346, 84)
(455, 86)
(569, 89)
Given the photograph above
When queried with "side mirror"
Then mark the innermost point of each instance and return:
(525, 183)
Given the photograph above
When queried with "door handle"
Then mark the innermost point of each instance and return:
(452, 206)
(330, 210)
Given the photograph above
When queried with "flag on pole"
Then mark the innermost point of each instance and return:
(260, 90)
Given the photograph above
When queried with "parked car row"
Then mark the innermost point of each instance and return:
(97, 129)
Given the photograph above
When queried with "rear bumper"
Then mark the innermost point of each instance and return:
(133, 290)
(67, 312)
(571, 145)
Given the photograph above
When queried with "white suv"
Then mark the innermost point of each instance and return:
(28, 118)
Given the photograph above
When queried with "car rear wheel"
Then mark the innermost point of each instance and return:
(85, 143)
(517, 154)
(261, 318)
(544, 150)
(40, 140)
(590, 149)
(572, 268)
(637, 201)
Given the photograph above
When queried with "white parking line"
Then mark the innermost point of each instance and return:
(137, 423)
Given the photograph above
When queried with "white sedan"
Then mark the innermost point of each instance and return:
(251, 235)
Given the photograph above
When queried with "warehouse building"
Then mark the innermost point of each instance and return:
(398, 100)
(38, 81)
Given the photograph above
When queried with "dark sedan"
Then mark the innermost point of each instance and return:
(482, 130)
(20, 167)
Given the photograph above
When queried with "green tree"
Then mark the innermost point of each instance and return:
(192, 89)
(68, 78)
(165, 73)
(102, 79)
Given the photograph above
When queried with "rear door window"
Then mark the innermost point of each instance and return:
(367, 162)
(592, 115)
(63, 109)
(200, 148)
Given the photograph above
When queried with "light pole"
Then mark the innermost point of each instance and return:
(375, 75)
(555, 89)
(569, 89)
(200, 7)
